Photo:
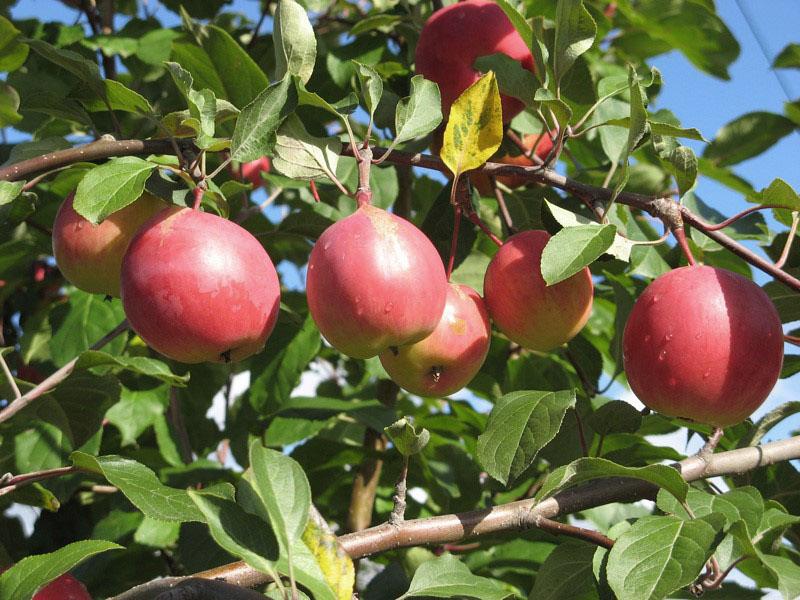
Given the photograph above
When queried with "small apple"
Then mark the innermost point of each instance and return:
(703, 344)
(374, 281)
(197, 287)
(251, 171)
(543, 147)
(448, 359)
(454, 36)
(528, 311)
(90, 256)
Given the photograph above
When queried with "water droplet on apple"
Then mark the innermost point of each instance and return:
(668, 337)
(326, 245)
(698, 335)
(388, 307)
(647, 338)
(706, 374)
(662, 355)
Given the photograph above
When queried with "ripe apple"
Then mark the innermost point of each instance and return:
(65, 587)
(90, 256)
(455, 36)
(543, 147)
(529, 312)
(197, 287)
(448, 359)
(251, 171)
(374, 281)
(703, 344)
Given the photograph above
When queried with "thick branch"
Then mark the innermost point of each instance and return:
(94, 151)
(524, 514)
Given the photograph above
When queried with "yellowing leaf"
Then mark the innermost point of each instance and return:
(336, 565)
(475, 128)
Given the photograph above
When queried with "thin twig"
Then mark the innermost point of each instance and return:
(789, 240)
(587, 535)
(9, 484)
(10, 377)
(57, 377)
(399, 498)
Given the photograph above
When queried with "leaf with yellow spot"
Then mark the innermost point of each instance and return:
(336, 565)
(475, 127)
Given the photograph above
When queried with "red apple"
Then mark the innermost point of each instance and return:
(374, 281)
(455, 36)
(543, 147)
(197, 287)
(65, 587)
(529, 312)
(703, 344)
(89, 255)
(251, 171)
(448, 359)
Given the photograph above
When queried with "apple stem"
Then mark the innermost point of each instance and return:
(314, 192)
(474, 218)
(713, 440)
(454, 240)
(680, 235)
(197, 193)
(363, 193)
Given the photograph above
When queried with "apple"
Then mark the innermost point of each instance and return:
(197, 287)
(448, 359)
(65, 587)
(251, 171)
(454, 36)
(703, 344)
(90, 256)
(374, 281)
(543, 147)
(529, 312)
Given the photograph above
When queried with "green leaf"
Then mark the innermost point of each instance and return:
(520, 424)
(694, 28)
(659, 555)
(141, 486)
(587, 469)
(417, 114)
(743, 504)
(300, 155)
(621, 247)
(255, 132)
(567, 573)
(448, 577)
(789, 58)
(682, 163)
(512, 78)
(111, 187)
(30, 574)
(136, 411)
(115, 97)
(615, 417)
(283, 489)
(637, 126)
(244, 535)
(242, 78)
(575, 32)
(474, 128)
(778, 192)
(12, 52)
(761, 427)
(747, 136)
(156, 534)
(573, 248)
(9, 191)
(142, 365)
(9, 105)
(85, 70)
(786, 571)
(294, 41)
(80, 322)
(371, 86)
(405, 437)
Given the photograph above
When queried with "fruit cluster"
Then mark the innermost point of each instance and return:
(198, 288)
